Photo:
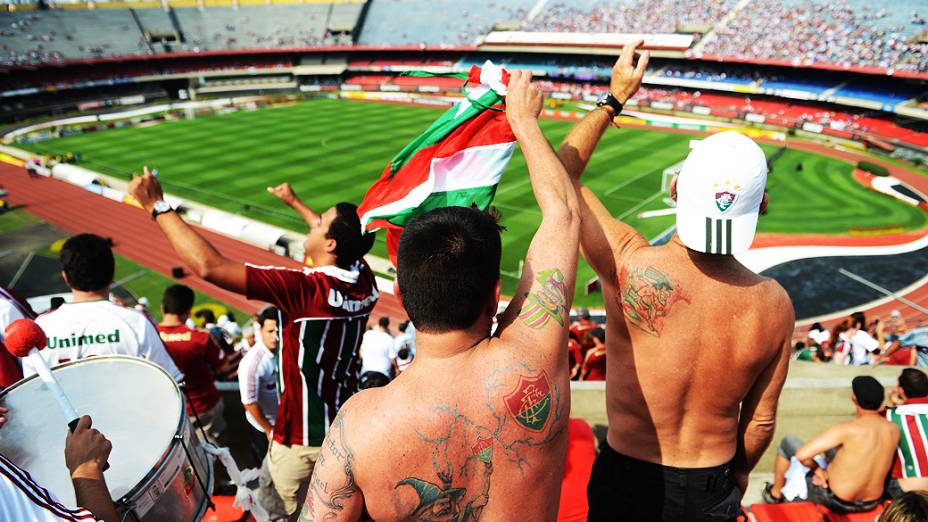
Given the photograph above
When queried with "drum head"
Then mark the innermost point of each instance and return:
(134, 403)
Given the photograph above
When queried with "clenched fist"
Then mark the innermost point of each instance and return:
(86, 450)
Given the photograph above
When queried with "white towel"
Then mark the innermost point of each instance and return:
(796, 479)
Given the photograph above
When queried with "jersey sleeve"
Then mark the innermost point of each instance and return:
(21, 498)
(8, 314)
(248, 378)
(152, 348)
(869, 343)
(290, 290)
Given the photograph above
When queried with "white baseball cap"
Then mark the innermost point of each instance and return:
(719, 193)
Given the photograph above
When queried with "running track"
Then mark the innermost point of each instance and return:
(137, 237)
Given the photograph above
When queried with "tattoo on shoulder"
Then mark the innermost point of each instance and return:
(647, 296)
(530, 403)
(533, 404)
(548, 302)
(332, 496)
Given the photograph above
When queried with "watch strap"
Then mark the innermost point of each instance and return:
(613, 103)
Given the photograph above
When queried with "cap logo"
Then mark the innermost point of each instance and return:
(724, 200)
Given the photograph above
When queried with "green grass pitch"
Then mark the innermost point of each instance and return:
(333, 150)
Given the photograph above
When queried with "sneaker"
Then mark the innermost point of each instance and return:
(768, 495)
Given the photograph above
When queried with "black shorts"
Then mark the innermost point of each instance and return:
(622, 488)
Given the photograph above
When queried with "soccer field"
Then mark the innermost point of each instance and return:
(333, 150)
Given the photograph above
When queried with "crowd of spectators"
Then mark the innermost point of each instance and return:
(636, 16)
(818, 32)
(855, 341)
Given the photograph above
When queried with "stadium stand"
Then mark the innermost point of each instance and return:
(437, 22)
(55, 35)
(631, 16)
(846, 33)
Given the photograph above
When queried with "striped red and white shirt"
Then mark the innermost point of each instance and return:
(21, 499)
(912, 454)
(324, 313)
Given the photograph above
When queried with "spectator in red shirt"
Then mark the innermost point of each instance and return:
(195, 354)
(583, 324)
(574, 356)
(324, 312)
(594, 364)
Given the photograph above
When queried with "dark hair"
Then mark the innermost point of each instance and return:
(372, 380)
(56, 302)
(345, 229)
(858, 320)
(868, 391)
(403, 353)
(268, 313)
(599, 333)
(914, 383)
(178, 299)
(799, 346)
(87, 261)
(910, 507)
(816, 326)
(384, 322)
(448, 267)
(403, 326)
(207, 315)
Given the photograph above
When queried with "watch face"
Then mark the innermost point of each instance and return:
(162, 206)
(602, 98)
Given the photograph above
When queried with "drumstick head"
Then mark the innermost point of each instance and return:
(22, 335)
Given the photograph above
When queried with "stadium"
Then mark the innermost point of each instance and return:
(225, 99)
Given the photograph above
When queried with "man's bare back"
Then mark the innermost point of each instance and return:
(697, 345)
(689, 336)
(460, 438)
(863, 458)
(475, 427)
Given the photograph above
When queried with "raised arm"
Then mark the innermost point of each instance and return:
(538, 313)
(602, 237)
(195, 251)
(333, 494)
(285, 193)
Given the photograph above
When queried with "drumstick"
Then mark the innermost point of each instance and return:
(24, 338)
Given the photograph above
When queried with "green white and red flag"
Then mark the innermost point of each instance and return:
(458, 161)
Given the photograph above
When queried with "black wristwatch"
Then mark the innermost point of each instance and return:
(161, 207)
(606, 99)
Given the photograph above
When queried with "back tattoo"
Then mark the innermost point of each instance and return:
(535, 405)
(647, 296)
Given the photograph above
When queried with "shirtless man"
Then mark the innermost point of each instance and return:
(860, 453)
(475, 427)
(698, 345)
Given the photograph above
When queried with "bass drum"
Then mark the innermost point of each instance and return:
(158, 471)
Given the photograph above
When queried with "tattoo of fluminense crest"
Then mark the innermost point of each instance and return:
(550, 301)
(441, 500)
(647, 296)
(530, 402)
